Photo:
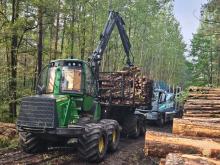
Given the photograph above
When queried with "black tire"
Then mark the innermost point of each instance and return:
(89, 148)
(113, 131)
(161, 121)
(142, 125)
(31, 143)
(131, 126)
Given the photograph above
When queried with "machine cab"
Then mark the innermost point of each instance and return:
(66, 77)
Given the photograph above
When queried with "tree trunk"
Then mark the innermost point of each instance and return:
(57, 31)
(14, 42)
(196, 128)
(72, 26)
(83, 35)
(40, 40)
(51, 42)
(63, 35)
(160, 144)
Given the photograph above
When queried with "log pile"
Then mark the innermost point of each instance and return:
(126, 87)
(203, 102)
(195, 138)
(160, 144)
(186, 127)
(7, 130)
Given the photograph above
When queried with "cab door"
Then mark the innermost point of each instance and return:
(90, 104)
(162, 101)
(89, 89)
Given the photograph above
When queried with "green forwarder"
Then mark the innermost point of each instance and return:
(69, 104)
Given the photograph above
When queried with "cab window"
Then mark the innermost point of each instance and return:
(71, 79)
(90, 83)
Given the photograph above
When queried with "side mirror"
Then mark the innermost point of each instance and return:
(41, 90)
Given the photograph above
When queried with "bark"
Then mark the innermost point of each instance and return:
(51, 41)
(14, 44)
(184, 159)
(218, 79)
(162, 161)
(40, 39)
(209, 111)
(72, 29)
(63, 35)
(208, 89)
(202, 102)
(203, 95)
(196, 128)
(83, 35)
(203, 115)
(124, 88)
(160, 144)
(198, 107)
(57, 31)
(211, 120)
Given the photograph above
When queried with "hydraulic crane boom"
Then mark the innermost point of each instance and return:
(113, 19)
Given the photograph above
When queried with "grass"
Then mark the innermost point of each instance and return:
(6, 142)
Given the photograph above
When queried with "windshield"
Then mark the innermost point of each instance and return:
(71, 79)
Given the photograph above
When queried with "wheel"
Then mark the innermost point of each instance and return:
(161, 121)
(113, 131)
(131, 126)
(30, 143)
(142, 125)
(93, 144)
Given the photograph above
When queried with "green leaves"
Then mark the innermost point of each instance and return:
(204, 47)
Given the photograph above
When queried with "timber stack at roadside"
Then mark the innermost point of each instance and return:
(195, 138)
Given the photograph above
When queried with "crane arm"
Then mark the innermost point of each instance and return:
(113, 19)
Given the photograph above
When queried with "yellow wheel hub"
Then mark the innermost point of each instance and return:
(101, 145)
(114, 135)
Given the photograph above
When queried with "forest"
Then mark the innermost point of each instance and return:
(38, 31)
(205, 55)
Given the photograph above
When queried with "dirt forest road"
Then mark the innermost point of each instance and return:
(130, 152)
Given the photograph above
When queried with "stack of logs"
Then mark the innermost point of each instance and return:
(196, 137)
(203, 102)
(125, 87)
(7, 130)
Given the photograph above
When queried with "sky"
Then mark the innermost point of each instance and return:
(187, 12)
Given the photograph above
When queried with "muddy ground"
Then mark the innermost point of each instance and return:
(130, 152)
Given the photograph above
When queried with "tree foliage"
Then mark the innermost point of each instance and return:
(73, 27)
(205, 47)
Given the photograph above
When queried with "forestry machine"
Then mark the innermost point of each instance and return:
(67, 105)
